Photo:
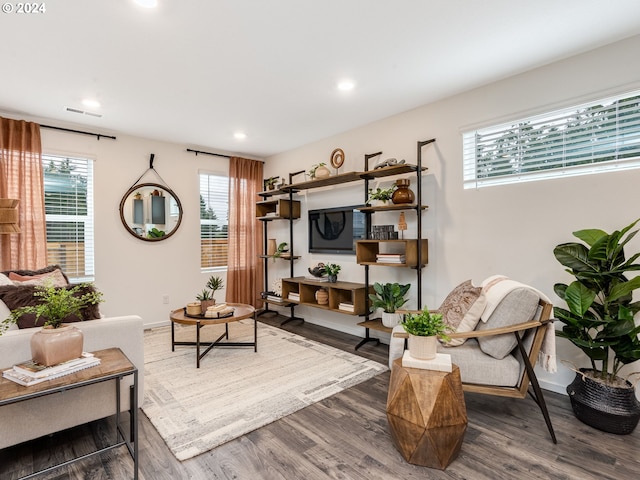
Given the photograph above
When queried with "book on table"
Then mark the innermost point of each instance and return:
(31, 373)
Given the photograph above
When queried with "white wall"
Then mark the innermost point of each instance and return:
(510, 229)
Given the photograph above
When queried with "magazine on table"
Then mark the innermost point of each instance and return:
(31, 373)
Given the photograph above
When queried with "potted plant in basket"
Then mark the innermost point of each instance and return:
(389, 297)
(57, 342)
(206, 297)
(424, 328)
(332, 270)
(600, 321)
(380, 196)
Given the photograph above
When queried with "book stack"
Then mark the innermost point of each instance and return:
(274, 298)
(317, 279)
(31, 373)
(390, 258)
(346, 306)
(294, 296)
(441, 362)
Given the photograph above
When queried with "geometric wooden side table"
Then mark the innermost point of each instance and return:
(427, 414)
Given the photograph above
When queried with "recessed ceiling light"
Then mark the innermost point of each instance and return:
(346, 85)
(240, 135)
(88, 102)
(147, 3)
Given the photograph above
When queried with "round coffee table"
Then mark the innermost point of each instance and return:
(241, 311)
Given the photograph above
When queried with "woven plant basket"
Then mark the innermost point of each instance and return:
(605, 407)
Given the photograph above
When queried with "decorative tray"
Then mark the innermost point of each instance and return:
(203, 317)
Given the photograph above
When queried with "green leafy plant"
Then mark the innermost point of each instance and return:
(214, 283)
(600, 315)
(282, 248)
(426, 324)
(382, 194)
(57, 304)
(155, 233)
(332, 269)
(388, 296)
(271, 182)
(312, 172)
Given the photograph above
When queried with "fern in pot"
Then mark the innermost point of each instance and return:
(389, 297)
(599, 319)
(424, 328)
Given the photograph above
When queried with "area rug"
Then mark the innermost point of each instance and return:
(236, 390)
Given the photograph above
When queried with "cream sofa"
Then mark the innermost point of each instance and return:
(37, 417)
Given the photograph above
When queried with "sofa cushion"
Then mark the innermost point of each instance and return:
(461, 310)
(56, 278)
(23, 295)
(4, 280)
(32, 273)
(518, 306)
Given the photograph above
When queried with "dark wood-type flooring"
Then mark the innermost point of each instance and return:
(346, 437)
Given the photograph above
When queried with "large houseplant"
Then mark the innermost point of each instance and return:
(424, 328)
(389, 297)
(600, 321)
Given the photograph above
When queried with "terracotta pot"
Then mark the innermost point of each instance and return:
(390, 320)
(403, 194)
(422, 348)
(50, 346)
(204, 304)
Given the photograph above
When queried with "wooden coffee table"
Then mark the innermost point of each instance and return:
(241, 311)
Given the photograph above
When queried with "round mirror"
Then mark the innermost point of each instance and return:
(150, 212)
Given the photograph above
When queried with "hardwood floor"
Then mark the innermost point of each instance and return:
(346, 437)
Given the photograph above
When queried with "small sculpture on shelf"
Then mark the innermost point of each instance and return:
(402, 224)
(317, 271)
(319, 171)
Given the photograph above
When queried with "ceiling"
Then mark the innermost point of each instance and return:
(197, 71)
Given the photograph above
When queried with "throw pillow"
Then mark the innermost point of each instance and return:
(28, 273)
(19, 296)
(56, 278)
(4, 280)
(461, 310)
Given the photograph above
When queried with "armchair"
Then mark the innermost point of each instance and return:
(498, 357)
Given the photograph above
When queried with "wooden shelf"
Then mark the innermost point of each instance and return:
(274, 302)
(283, 208)
(386, 208)
(366, 251)
(339, 292)
(281, 257)
(390, 171)
(323, 182)
(375, 324)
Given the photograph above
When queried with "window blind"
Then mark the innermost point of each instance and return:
(68, 199)
(595, 137)
(214, 221)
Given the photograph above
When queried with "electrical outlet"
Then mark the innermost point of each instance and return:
(165, 299)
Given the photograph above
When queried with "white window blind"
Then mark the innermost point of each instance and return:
(591, 138)
(214, 221)
(68, 200)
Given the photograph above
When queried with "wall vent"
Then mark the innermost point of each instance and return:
(82, 112)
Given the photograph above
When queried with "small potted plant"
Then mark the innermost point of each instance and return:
(319, 171)
(380, 196)
(424, 328)
(600, 321)
(270, 183)
(389, 297)
(332, 270)
(206, 297)
(282, 248)
(57, 342)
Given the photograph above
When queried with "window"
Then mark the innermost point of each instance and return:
(596, 137)
(68, 203)
(214, 221)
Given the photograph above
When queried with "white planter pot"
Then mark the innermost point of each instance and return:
(390, 320)
(423, 348)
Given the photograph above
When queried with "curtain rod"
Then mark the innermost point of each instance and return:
(207, 153)
(98, 135)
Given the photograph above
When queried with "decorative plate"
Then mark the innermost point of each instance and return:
(337, 158)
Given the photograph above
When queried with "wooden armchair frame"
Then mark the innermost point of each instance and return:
(530, 359)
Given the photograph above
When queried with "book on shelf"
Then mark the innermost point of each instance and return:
(31, 373)
(346, 306)
(274, 298)
(317, 279)
(294, 296)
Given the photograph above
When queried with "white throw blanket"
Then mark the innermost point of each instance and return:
(497, 287)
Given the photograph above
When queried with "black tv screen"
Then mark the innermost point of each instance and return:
(335, 230)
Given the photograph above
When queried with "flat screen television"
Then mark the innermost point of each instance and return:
(335, 230)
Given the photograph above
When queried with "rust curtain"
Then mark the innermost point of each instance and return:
(244, 268)
(21, 177)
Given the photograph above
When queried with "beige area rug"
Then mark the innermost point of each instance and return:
(236, 390)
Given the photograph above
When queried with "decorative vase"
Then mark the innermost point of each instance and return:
(51, 346)
(204, 304)
(605, 407)
(322, 296)
(271, 247)
(322, 172)
(422, 348)
(333, 278)
(403, 194)
(390, 320)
